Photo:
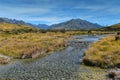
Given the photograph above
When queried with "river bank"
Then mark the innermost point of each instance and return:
(60, 65)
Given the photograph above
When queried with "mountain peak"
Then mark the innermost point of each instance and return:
(76, 24)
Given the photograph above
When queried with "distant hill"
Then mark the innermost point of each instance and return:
(75, 24)
(16, 28)
(112, 27)
(42, 26)
(8, 26)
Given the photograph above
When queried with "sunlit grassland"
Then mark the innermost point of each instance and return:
(10, 27)
(104, 53)
(29, 43)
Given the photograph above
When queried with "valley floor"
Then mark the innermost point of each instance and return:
(61, 65)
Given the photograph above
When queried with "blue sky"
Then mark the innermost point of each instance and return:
(104, 12)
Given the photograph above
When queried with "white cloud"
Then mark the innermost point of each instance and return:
(50, 12)
(22, 13)
(50, 20)
(22, 10)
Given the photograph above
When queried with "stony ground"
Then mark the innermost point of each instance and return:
(61, 65)
(92, 73)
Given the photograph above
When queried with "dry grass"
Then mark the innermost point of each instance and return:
(76, 32)
(29, 43)
(104, 53)
(10, 27)
(102, 32)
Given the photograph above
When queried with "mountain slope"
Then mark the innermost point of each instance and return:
(112, 27)
(16, 28)
(7, 26)
(20, 22)
(12, 21)
(76, 24)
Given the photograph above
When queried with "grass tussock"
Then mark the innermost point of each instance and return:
(18, 45)
(105, 53)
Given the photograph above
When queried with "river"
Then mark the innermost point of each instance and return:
(60, 65)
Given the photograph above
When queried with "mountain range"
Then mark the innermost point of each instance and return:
(73, 24)
(20, 22)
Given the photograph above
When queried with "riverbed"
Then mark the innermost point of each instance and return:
(60, 65)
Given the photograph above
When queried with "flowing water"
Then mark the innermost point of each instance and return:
(61, 65)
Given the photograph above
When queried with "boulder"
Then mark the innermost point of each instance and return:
(114, 74)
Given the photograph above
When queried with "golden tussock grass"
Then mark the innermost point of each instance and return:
(28, 43)
(104, 53)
